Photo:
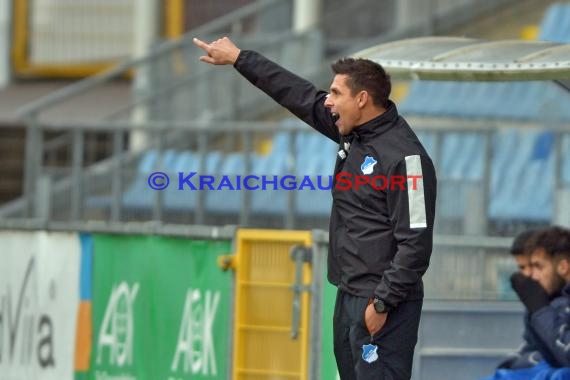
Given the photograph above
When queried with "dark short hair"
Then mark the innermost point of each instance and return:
(364, 74)
(520, 242)
(555, 241)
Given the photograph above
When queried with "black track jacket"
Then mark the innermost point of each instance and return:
(380, 239)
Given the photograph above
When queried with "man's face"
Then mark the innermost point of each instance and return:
(544, 271)
(523, 262)
(343, 104)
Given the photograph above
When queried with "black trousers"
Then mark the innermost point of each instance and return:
(395, 342)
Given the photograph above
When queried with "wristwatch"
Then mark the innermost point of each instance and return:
(380, 306)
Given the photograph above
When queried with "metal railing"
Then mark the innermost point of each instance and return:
(479, 276)
(461, 268)
(69, 193)
(68, 187)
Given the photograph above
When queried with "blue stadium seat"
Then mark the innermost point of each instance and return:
(315, 155)
(505, 144)
(461, 166)
(450, 97)
(320, 165)
(280, 142)
(470, 165)
(185, 199)
(551, 23)
(525, 187)
(270, 201)
(510, 100)
(144, 168)
(555, 25)
(139, 195)
(537, 184)
(226, 200)
(539, 193)
(452, 150)
(564, 31)
(565, 149)
(429, 141)
(417, 102)
(502, 200)
(147, 161)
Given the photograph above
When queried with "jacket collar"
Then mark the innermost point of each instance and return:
(378, 125)
(566, 290)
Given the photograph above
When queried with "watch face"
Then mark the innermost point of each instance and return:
(379, 306)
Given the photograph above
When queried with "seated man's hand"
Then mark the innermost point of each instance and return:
(531, 294)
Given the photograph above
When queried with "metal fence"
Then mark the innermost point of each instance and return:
(116, 186)
(461, 268)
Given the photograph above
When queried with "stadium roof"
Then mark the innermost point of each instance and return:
(467, 59)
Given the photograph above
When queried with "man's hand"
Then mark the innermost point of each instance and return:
(531, 294)
(220, 52)
(374, 321)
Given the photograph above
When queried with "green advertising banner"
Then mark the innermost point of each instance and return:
(328, 362)
(161, 309)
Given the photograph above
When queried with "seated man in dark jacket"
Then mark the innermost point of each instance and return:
(546, 296)
(528, 354)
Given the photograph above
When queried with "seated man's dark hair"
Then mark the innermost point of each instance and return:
(520, 242)
(555, 241)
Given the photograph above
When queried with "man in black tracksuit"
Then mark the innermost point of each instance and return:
(384, 191)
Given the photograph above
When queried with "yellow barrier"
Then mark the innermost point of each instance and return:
(265, 275)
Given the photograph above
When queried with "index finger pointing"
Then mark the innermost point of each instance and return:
(201, 44)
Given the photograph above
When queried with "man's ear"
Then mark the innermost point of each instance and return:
(563, 268)
(363, 98)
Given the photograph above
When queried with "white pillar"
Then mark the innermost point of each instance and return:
(146, 23)
(5, 43)
(146, 31)
(306, 14)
